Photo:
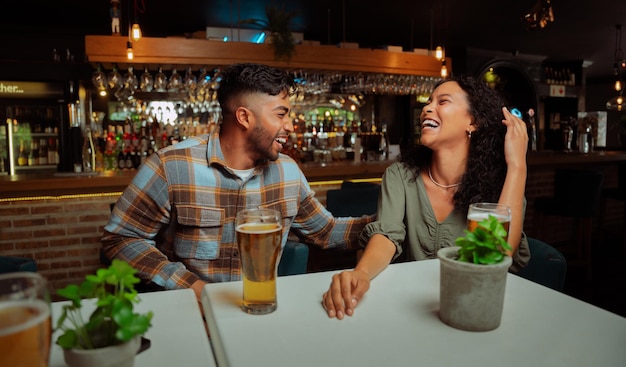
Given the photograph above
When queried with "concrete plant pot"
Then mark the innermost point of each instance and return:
(471, 295)
(122, 355)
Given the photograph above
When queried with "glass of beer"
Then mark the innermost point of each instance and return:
(480, 211)
(25, 322)
(259, 234)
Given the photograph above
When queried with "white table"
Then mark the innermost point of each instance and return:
(397, 324)
(178, 336)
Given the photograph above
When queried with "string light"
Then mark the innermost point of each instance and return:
(129, 50)
(136, 32)
(439, 53)
(444, 69)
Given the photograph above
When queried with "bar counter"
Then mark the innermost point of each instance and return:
(19, 186)
(59, 184)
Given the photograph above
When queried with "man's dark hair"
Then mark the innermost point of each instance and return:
(240, 79)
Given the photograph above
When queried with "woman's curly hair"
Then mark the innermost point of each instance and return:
(486, 164)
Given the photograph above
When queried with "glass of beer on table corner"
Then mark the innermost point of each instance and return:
(259, 237)
(25, 320)
(480, 211)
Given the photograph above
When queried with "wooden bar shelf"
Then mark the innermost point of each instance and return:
(172, 52)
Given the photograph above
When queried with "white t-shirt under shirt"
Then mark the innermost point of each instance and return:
(243, 174)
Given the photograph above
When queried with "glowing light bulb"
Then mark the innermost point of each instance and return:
(129, 50)
(136, 32)
(439, 53)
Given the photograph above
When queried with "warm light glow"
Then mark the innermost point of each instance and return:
(102, 92)
(615, 104)
(136, 32)
(618, 85)
(129, 50)
(439, 53)
(444, 70)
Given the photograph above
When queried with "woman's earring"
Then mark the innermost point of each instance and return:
(469, 134)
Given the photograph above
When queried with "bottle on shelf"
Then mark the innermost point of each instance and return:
(33, 156)
(89, 154)
(22, 158)
(43, 152)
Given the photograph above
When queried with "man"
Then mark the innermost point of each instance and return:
(175, 222)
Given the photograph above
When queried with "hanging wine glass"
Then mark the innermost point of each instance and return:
(176, 82)
(160, 81)
(99, 79)
(130, 80)
(190, 81)
(146, 81)
(114, 79)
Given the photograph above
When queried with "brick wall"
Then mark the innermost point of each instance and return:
(61, 235)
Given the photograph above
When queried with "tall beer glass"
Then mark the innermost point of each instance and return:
(259, 233)
(25, 330)
(480, 211)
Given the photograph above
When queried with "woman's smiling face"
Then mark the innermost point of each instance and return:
(445, 118)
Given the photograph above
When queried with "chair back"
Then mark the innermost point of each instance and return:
(354, 199)
(547, 265)
(10, 264)
(294, 259)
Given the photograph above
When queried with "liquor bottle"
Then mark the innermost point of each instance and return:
(99, 160)
(52, 151)
(128, 160)
(22, 158)
(33, 157)
(121, 160)
(43, 152)
(89, 154)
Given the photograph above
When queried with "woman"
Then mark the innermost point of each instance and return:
(468, 153)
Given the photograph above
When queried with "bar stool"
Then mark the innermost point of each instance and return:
(577, 196)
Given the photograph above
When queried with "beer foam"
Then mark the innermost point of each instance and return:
(478, 217)
(38, 311)
(258, 228)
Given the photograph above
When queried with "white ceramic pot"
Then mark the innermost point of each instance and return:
(122, 355)
(471, 296)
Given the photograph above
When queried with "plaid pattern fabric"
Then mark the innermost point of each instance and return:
(175, 221)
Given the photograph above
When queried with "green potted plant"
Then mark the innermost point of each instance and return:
(277, 24)
(112, 332)
(473, 277)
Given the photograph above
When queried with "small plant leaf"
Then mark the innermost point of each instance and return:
(113, 320)
(486, 244)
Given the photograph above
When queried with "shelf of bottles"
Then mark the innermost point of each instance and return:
(32, 139)
(134, 131)
(166, 106)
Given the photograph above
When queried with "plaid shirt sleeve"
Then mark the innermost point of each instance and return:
(135, 224)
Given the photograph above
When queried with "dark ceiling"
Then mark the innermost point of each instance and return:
(582, 30)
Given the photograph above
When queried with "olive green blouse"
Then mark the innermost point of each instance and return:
(406, 217)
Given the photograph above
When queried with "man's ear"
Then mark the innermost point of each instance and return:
(243, 116)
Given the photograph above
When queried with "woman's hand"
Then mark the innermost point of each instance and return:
(515, 140)
(346, 290)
